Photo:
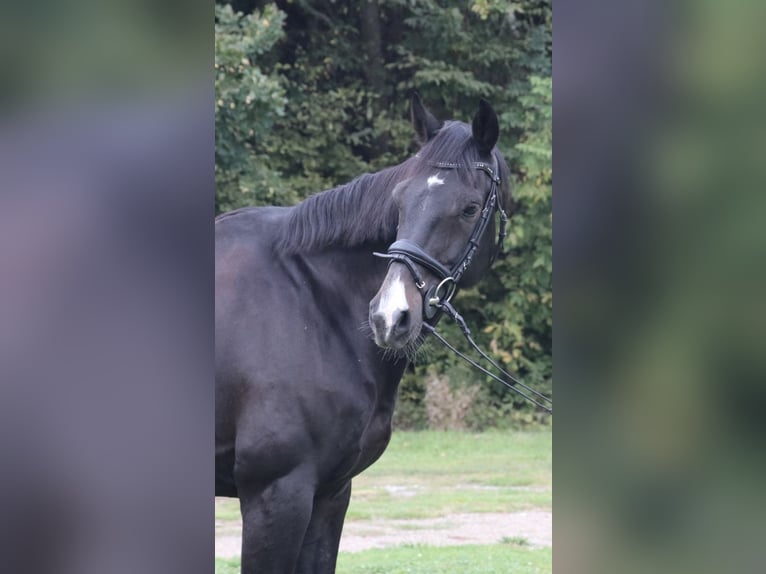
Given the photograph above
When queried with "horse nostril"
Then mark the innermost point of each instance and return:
(378, 322)
(402, 324)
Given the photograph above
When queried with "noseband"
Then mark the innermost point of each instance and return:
(410, 254)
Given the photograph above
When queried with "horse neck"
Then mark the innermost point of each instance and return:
(352, 275)
(349, 279)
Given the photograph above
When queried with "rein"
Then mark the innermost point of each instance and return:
(547, 403)
(437, 298)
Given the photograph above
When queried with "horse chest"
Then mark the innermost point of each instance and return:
(365, 446)
(361, 448)
(375, 440)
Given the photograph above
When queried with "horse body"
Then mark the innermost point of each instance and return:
(280, 413)
(304, 397)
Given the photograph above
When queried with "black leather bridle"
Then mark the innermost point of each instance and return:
(411, 255)
(437, 298)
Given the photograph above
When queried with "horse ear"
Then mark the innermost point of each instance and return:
(425, 124)
(485, 127)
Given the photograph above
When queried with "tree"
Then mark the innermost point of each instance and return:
(247, 102)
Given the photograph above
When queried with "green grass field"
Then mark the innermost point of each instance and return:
(433, 474)
(490, 559)
(451, 472)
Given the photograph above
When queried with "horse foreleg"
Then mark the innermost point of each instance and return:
(320, 545)
(274, 522)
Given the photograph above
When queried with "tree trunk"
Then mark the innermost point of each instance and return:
(371, 37)
(371, 44)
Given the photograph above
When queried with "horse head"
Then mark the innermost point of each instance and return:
(446, 236)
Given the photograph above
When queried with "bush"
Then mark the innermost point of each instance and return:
(448, 408)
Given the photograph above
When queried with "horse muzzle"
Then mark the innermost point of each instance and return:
(396, 311)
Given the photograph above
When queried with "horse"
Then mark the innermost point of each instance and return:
(314, 331)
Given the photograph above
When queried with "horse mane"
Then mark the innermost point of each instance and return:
(363, 210)
(357, 212)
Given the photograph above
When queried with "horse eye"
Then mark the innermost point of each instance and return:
(470, 210)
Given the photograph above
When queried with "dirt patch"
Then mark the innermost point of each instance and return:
(534, 526)
(453, 529)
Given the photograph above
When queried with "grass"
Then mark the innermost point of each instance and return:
(431, 474)
(490, 559)
(230, 566)
(438, 473)
(514, 540)
(227, 509)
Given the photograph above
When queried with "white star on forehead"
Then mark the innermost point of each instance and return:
(434, 180)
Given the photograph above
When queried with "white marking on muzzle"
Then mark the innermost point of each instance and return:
(393, 299)
(434, 180)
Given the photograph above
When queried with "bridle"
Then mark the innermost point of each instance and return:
(409, 253)
(437, 298)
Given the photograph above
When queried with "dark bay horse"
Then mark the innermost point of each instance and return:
(313, 332)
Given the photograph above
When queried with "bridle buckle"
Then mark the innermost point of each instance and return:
(449, 284)
(435, 298)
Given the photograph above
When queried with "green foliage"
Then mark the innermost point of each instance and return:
(247, 101)
(305, 110)
(519, 325)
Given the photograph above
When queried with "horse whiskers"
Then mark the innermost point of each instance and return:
(366, 329)
(412, 351)
(393, 354)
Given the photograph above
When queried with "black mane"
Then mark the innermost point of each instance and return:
(358, 212)
(363, 211)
